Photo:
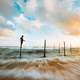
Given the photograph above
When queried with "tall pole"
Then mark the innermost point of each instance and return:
(44, 48)
(20, 50)
(64, 49)
(59, 48)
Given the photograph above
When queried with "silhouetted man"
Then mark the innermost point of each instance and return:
(21, 43)
(21, 40)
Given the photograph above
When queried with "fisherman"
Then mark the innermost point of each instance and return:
(21, 41)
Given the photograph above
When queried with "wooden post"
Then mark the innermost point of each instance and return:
(44, 48)
(64, 49)
(59, 48)
(20, 50)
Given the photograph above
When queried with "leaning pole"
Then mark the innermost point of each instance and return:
(44, 48)
(20, 50)
(70, 48)
(64, 49)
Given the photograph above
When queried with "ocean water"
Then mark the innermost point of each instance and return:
(7, 52)
(14, 52)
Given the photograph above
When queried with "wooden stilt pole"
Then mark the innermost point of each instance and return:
(64, 49)
(44, 48)
(20, 51)
(59, 48)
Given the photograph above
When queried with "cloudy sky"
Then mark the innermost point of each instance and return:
(53, 20)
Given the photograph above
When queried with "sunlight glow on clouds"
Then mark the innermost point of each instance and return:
(35, 17)
(73, 25)
(6, 33)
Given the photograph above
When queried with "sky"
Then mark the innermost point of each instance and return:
(54, 20)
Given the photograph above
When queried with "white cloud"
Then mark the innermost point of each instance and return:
(57, 12)
(25, 24)
(36, 24)
(6, 27)
(2, 20)
(22, 22)
(4, 23)
(31, 5)
(49, 5)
